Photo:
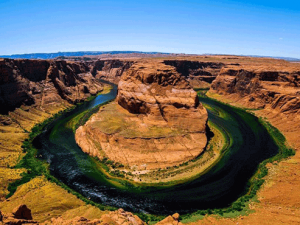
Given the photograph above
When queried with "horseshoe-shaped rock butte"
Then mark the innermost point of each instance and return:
(155, 122)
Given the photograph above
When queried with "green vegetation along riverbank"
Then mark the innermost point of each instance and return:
(234, 124)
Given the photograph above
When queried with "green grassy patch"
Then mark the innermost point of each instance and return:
(36, 167)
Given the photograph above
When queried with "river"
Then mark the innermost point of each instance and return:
(249, 144)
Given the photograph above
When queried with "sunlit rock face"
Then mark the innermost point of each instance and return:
(41, 83)
(265, 87)
(155, 122)
(159, 92)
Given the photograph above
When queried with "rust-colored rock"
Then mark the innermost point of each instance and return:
(118, 217)
(196, 72)
(41, 82)
(110, 70)
(158, 91)
(158, 121)
(260, 88)
(20, 215)
(170, 220)
(176, 216)
(22, 212)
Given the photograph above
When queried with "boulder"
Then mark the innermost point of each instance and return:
(170, 220)
(20, 215)
(176, 216)
(22, 212)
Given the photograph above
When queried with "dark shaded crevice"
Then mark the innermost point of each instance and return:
(161, 111)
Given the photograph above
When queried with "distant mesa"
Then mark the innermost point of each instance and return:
(155, 122)
(68, 55)
(74, 54)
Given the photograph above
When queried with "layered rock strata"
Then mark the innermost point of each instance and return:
(196, 72)
(42, 82)
(156, 121)
(261, 88)
(118, 217)
(110, 70)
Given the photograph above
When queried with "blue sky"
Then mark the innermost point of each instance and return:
(270, 28)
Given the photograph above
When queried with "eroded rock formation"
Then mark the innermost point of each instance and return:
(196, 72)
(110, 70)
(199, 73)
(22, 215)
(156, 121)
(260, 88)
(30, 92)
(118, 217)
(42, 82)
(158, 91)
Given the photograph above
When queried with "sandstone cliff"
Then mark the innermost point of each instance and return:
(118, 217)
(110, 70)
(273, 87)
(22, 215)
(30, 92)
(196, 72)
(158, 121)
(41, 82)
(278, 90)
(158, 91)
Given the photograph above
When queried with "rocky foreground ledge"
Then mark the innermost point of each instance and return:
(22, 215)
(155, 122)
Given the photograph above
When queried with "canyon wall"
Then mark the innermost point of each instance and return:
(272, 88)
(41, 82)
(110, 70)
(30, 92)
(278, 90)
(196, 72)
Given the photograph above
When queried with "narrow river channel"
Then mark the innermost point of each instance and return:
(249, 144)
